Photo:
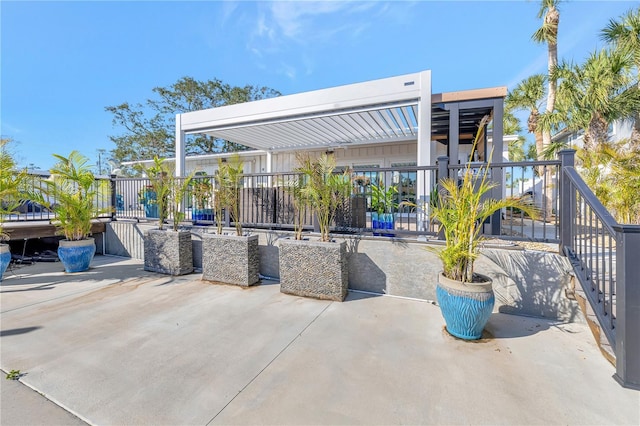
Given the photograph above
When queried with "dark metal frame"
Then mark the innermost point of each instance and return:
(604, 255)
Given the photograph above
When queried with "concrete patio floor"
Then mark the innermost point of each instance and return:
(118, 345)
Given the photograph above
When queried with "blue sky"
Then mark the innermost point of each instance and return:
(62, 63)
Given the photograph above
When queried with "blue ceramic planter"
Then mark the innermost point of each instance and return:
(76, 256)
(150, 205)
(382, 224)
(203, 215)
(466, 308)
(5, 258)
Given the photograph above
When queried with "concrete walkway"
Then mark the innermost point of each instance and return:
(118, 345)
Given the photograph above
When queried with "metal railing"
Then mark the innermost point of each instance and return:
(31, 211)
(533, 181)
(394, 201)
(604, 255)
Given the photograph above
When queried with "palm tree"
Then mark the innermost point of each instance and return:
(510, 123)
(612, 171)
(624, 35)
(548, 34)
(528, 95)
(592, 95)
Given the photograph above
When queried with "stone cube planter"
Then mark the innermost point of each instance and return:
(231, 259)
(314, 269)
(168, 252)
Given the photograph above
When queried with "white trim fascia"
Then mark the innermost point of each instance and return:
(375, 92)
(255, 152)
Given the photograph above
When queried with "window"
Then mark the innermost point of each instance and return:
(405, 181)
(364, 174)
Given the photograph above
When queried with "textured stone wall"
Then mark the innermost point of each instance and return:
(230, 259)
(168, 252)
(314, 269)
(525, 282)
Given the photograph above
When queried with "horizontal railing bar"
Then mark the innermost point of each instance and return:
(589, 197)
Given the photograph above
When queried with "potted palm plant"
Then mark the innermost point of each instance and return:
(168, 251)
(383, 203)
(12, 188)
(71, 193)
(466, 297)
(317, 268)
(202, 191)
(230, 259)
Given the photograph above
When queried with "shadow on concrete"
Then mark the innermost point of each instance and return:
(17, 331)
(354, 296)
(47, 276)
(48, 286)
(506, 326)
(365, 275)
(539, 278)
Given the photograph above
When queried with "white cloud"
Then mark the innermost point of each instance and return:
(8, 129)
(299, 27)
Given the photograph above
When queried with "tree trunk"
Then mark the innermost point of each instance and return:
(552, 18)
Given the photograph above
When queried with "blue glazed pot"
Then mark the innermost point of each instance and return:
(76, 256)
(151, 211)
(466, 308)
(375, 223)
(150, 205)
(203, 215)
(388, 225)
(5, 258)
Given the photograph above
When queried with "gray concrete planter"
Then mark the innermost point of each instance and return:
(231, 259)
(314, 269)
(168, 252)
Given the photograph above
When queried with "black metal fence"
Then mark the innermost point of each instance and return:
(606, 261)
(29, 210)
(383, 201)
(392, 201)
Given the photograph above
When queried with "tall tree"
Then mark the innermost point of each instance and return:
(624, 35)
(593, 95)
(149, 128)
(510, 123)
(548, 34)
(528, 95)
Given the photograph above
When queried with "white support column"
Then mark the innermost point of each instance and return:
(424, 120)
(180, 141)
(425, 148)
(269, 164)
(269, 167)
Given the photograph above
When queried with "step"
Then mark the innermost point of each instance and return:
(592, 320)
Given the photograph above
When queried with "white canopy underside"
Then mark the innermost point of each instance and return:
(384, 110)
(381, 123)
(394, 109)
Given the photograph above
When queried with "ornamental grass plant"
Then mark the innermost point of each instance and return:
(71, 192)
(12, 185)
(322, 189)
(462, 208)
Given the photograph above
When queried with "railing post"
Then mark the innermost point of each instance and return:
(567, 199)
(114, 198)
(443, 169)
(627, 306)
(443, 173)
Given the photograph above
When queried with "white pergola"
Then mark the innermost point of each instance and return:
(381, 111)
